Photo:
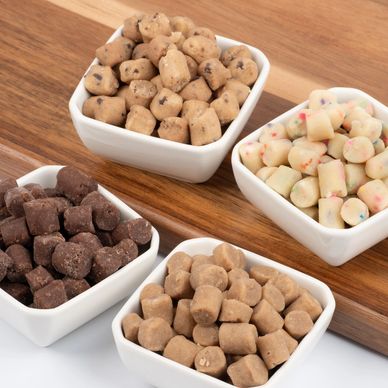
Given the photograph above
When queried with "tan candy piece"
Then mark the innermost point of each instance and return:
(298, 323)
(131, 28)
(193, 67)
(101, 80)
(262, 273)
(110, 110)
(247, 291)
(200, 48)
(140, 120)
(151, 290)
(266, 318)
(240, 90)
(199, 260)
(130, 324)
(203, 31)
(206, 304)
(159, 306)
(248, 371)
(166, 104)
(238, 338)
(182, 24)
(306, 302)
(158, 48)
(209, 274)
(153, 25)
(174, 129)
(234, 311)
(177, 285)
(179, 261)
(291, 343)
(183, 321)
(287, 286)
(211, 361)
(181, 350)
(140, 92)
(139, 69)
(273, 349)
(196, 90)
(154, 334)
(115, 52)
(140, 51)
(214, 72)
(206, 335)
(234, 52)
(205, 128)
(193, 108)
(157, 81)
(226, 107)
(227, 256)
(274, 297)
(244, 70)
(236, 274)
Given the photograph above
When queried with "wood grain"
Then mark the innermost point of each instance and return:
(43, 59)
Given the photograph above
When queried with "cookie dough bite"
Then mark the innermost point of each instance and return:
(211, 361)
(209, 274)
(215, 73)
(298, 323)
(283, 180)
(110, 110)
(305, 193)
(248, 371)
(131, 28)
(206, 304)
(182, 24)
(226, 107)
(275, 152)
(355, 114)
(234, 311)
(296, 125)
(231, 53)
(240, 90)
(140, 51)
(200, 48)
(250, 154)
(319, 125)
(158, 306)
(227, 256)
(101, 80)
(238, 338)
(154, 334)
(335, 146)
(332, 179)
(287, 286)
(236, 274)
(157, 81)
(202, 31)
(265, 172)
(180, 349)
(272, 132)
(274, 297)
(266, 318)
(244, 69)
(358, 149)
(205, 335)
(330, 212)
(179, 261)
(140, 120)
(178, 285)
(113, 53)
(205, 128)
(158, 47)
(196, 90)
(174, 129)
(304, 160)
(377, 166)
(137, 69)
(151, 26)
(354, 211)
(140, 92)
(193, 67)
(165, 104)
(273, 349)
(199, 260)
(247, 291)
(183, 321)
(130, 325)
(174, 71)
(192, 108)
(375, 195)
(306, 302)
(151, 290)
(319, 98)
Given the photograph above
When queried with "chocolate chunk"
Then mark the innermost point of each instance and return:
(75, 287)
(53, 295)
(74, 184)
(127, 249)
(52, 192)
(5, 185)
(61, 203)
(106, 262)
(15, 199)
(4, 213)
(88, 240)
(79, 219)
(37, 278)
(138, 230)
(44, 247)
(5, 264)
(41, 217)
(36, 190)
(19, 291)
(71, 259)
(21, 263)
(15, 231)
(105, 238)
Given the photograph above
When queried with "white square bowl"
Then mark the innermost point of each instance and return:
(164, 373)
(43, 327)
(335, 246)
(185, 162)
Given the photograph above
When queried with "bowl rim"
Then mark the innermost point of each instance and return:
(320, 325)
(114, 130)
(154, 244)
(280, 200)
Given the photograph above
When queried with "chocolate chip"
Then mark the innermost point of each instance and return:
(240, 65)
(99, 100)
(97, 76)
(163, 100)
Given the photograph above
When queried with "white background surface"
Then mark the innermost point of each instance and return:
(88, 358)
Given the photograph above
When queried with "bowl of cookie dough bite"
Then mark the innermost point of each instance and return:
(212, 314)
(168, 96)
(320, 171)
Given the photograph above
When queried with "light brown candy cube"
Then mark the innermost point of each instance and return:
(203, 31)
(153, 25)
(209, 274)
(175, 129)
(205, 128)
(151, 290)
(214, 72)
(306, 302)
(262, 273)
(248, 371)
(200, 48)
(154, 334)
(140, 120)
(159, 306)
(227, 256)
(182, 24)
(211, 361)
(101, 80)
(179, 261)
(181, 350)
(234, 311)
(130, 324)
(174, 71)
(236, 274)
(206, 304)
(196, 90)
(226, 107)
(244, 70)
(157, 81)
(206, 335)
(140, 92)
(177, 285)
(291, 343)
(234, 52)
(247, 291)
(273, 349)
(110, 110)
(113, 53)
(166, 104)
(298, 323)
(158, 48)
(238, 338)
(138, 69)
(287, 286)
(193, 108)
(266, 318)
(131, 27)
(140, 51)
(199, 260)
(240, 90)
(183, 321)
(274, 297)
(193, 67)
(122, 91)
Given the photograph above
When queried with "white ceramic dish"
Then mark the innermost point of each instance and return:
(181, 161)
(164, 373)
(335, 246)
(43, 327)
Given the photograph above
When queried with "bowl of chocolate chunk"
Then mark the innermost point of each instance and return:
(214, 315)
(168, 96)
(69, 250)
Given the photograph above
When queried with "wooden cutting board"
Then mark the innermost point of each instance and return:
(46, 47)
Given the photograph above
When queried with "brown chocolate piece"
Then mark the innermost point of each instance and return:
(88, 240)
(51, 296)
(5, 185)
(78, 219)
(39, 277)
(4, 213)
(74, 184)
(73, 260)
(36, 190)
(105, 238)
(106, 262)
(5, 263)
(74, 287)
(127, 249)
(21, 263)
(52, 192)
(19, 291)
(44, 247)
(61, 204)
(138, 230)
(15, 231)
(41, 217)
(15, 199)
